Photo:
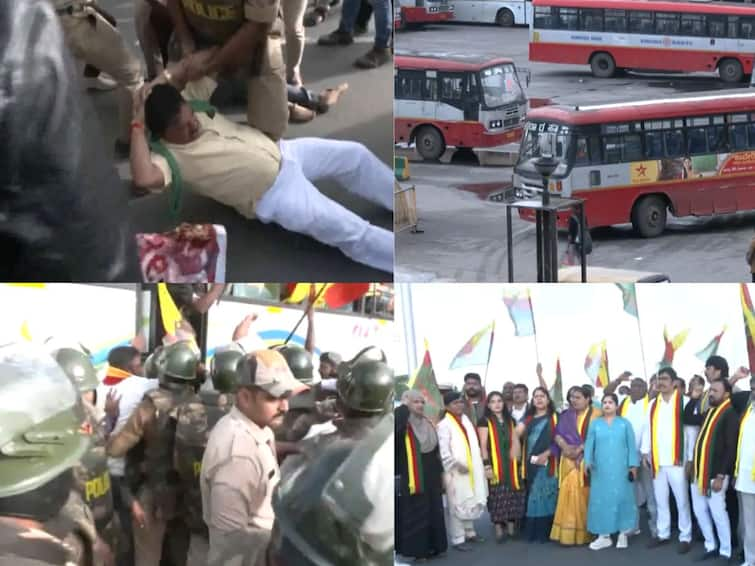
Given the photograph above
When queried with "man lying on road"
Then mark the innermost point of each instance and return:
(241, 167)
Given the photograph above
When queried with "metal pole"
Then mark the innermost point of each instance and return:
(509, 244)
(554, 243)
(539, 243)
(583, 230)
(547, 277)
(546, 193)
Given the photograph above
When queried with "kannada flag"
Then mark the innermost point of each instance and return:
(671, 346)
(629, 295)
(424, 382)
(476, 352)
(749, 320)
(711, 348)
(596, 364)
(557, 391)
(169, 312)
(334, 295)
(520, 311)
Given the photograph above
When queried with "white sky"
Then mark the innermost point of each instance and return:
(568, 320)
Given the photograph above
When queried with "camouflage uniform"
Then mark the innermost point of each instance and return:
(90, 510)
(153, 423)
(195, 421)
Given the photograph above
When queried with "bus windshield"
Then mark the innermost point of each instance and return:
(500, 85)
(545, 139)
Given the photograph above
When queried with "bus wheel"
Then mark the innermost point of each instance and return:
(430, 144)
(504, 18)
(603, 66)
(649, 216)
(730, 71)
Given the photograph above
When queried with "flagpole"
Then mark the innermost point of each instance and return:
(639, 333)
(490, 352)
(304, 315)
(534, 329)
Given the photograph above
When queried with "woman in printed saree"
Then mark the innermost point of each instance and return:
(611, 457)
(501, 451)
(570, 521)
(538, 466)
(420, 526)
(464, 474)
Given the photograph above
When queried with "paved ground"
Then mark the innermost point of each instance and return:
(464, 237)
(260, 252)
(520, 552)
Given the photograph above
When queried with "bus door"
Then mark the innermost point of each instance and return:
(430, 95)
(455, 98)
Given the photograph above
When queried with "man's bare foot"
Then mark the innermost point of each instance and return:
(329, 97)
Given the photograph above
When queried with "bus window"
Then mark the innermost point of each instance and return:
(751, 135)
(674, 140)
(568, 18)
(595, 157)
(717, 139)
(431, 88)
(543, 17)
(451, 87)
(641, 22)
(410, 85)
(591, 19)
(747, 28)
(666, 23)
(616, 21)
(696, 141)
(693, 24)
(732, 28)
(653, 145)
(632, 147)
(612, 149)
(738, 136)
(716, 25)
(582, 156)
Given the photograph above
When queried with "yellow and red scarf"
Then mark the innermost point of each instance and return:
(552, 467)
(504, 467)
(414, 462)
(740, 448)
(625, 404)
(457, 421)
(705, 444)
(583, 423)
(115, 375)
(677, 436)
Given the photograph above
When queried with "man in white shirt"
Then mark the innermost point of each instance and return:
(665, 459)
(519, 401)
(635, 408)
(745, 479)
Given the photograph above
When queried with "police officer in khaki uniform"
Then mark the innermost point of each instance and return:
(40, 443)
(92, 38)
(240, 468)
(153, 422)
(248, 33)
(91, 509)
(195, 422)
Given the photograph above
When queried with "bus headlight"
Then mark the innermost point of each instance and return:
(496, 124)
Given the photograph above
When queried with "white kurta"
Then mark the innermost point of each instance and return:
(465, 501)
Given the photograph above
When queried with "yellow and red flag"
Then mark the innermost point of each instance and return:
(749, 320)
(333, 295)
(671, 346)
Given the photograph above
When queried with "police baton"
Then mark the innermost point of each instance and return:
(303, 316)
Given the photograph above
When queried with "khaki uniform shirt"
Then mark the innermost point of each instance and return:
(239, 473)
(230, 163)
(216, 21)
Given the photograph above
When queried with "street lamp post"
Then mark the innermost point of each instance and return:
(545, 165)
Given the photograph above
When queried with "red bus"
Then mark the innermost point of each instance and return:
(611, 35)
(459, 100)
(409, 13)
(637, 161)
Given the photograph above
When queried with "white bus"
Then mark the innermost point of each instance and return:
(505, 13)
